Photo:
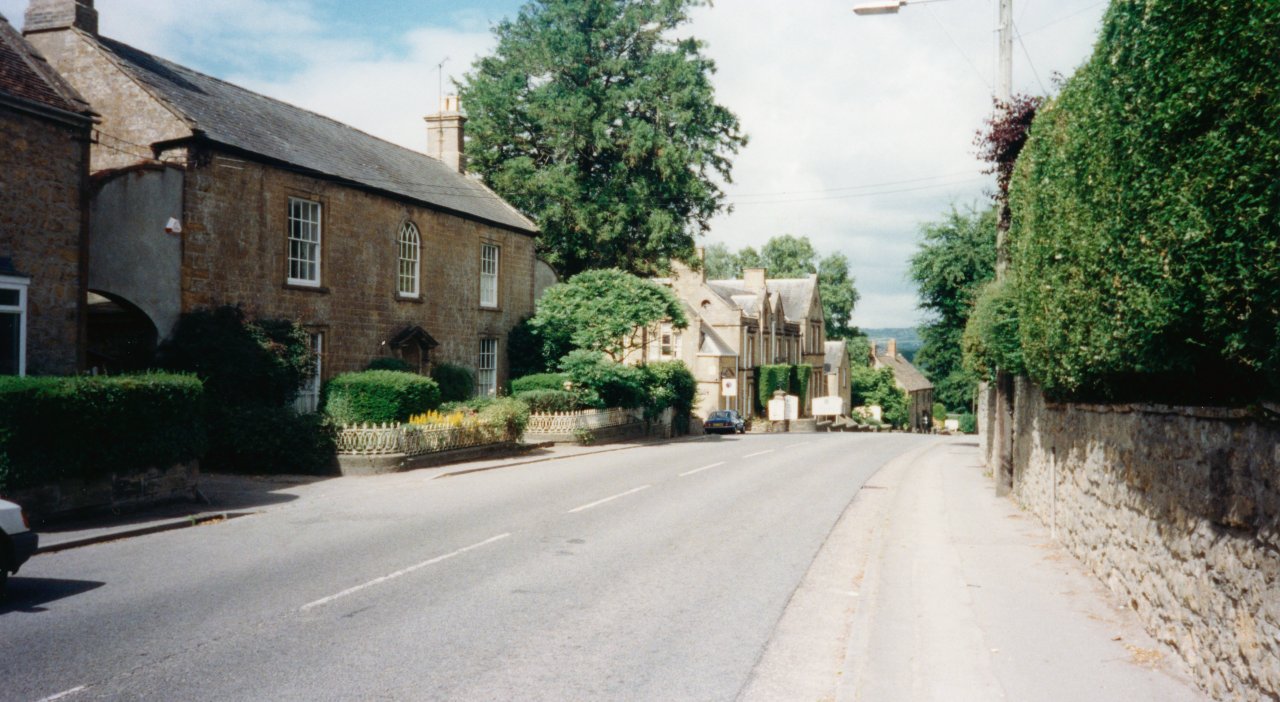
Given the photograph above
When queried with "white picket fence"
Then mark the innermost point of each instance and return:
(569, 422)
(414, 439)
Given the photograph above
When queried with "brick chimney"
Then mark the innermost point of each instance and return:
(49, 15)
(444, 134)
(891, 350)
(753, 279)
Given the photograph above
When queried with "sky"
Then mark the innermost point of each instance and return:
(861, 127)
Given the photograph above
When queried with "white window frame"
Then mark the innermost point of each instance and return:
(490, 266)
(308, 400)
(306, 221)
(409, 261)
(20, 285)
(487, 368)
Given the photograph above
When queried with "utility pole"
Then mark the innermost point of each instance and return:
(1005, 387)
(1004, 81)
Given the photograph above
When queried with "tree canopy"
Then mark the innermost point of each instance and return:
(956, 258)
(789, 256)
(597, 120)
(602, 310)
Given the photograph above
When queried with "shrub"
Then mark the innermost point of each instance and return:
(875, 386)
(543, 401)
(241, 361)
(939, 412)
(991, 339)
(507, 413)
(271, 440)
(456, 382)
(91, 427)
(379, 396)
(670, 384)
(1144, 236)
(525, 353)
(769, 379)
(601, 382)
(390, 363)
(968, 423)
(539, 381)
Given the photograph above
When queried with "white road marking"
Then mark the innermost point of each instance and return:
(64, 693)
(398, 573)
(757, 453)
(609, 499)
(699, 470)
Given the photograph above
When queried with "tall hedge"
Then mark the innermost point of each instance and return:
(91, 427)
(379, 396)
(1145, 240)
(769, 379)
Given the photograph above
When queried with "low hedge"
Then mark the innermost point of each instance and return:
(544, 401)
(379, 396)
(539, 381)
(266, 440)
(456, 382)
(390, 363)
(54, 428)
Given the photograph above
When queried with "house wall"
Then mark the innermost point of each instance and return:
(1177, 510)
(235, 236)
(43, 167)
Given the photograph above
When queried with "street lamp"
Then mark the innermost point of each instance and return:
(879, 8)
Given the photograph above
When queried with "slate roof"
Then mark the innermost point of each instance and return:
(911, 379)
(835, 354)
(24, 74)
(233, 116)
(712, 344)
(796, 294)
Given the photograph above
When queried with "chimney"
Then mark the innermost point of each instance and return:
(50, 15)
(444, 134)
(892, 349)
(753, 279)
(702, 257)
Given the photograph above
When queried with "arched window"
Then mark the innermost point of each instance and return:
(410, 260)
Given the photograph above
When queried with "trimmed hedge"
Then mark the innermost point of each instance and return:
(1145, 206)
(457, 383)
(390, 363)
(991, 338)
(379, 396)
(545, 401)
(266, 440)
(91, 427)
(539, 381)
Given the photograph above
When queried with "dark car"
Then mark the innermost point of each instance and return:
(726, 421)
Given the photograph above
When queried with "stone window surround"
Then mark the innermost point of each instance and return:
(487, 367)
(489, 280)
(308, 399)
(290, 280)
(20, 284)
(409, 261)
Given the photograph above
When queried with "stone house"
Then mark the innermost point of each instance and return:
(736, 326)
(835, 369)
(45, 128)
(206, 193)
(918, 388)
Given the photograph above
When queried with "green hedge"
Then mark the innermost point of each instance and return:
(991, 337)
(539, 381)
(270, 440)
(671, 384)
(379, 396)
(545, 401)
(390, 363)
(800, 380)
(769, 379)
(602, 382)
(456, 382)
(1145, 234)
(90, 427)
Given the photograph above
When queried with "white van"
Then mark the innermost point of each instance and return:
(17, 541)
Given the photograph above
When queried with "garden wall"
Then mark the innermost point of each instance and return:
(1177, 509)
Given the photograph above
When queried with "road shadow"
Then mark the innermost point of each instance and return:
(29, 595)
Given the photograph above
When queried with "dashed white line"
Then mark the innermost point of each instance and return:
(758, 453)
(398, 573)
(608, 499)
(699, 470)
(64, 693)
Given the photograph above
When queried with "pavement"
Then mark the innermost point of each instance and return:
(224, 496)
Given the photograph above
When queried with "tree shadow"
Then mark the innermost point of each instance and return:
(29, 595)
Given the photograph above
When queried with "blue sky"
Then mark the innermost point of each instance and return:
(861, 127)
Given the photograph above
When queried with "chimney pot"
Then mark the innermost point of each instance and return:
(893, 348)
(49, 15)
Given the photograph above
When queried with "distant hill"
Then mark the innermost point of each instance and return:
(908, 339)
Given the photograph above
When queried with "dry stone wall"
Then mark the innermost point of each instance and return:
(1178, 511)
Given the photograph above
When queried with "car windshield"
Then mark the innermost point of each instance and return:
(721, 415)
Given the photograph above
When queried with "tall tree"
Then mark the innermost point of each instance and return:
(720, 262)
(602, 310)
(955, 259)
(839, 296)
(593, 117)
(789, 256)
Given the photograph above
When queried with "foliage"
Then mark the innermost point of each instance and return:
(603, 382)
(839, 296)
(956, 257)
(670, 384)
(1145, 236)
(720, 263)
(456, 382)
(91, 427)
(547, 401)
(525, 354)
(539, 381)
(603, 310)
(968, 423)
(507, 413)
(939, 413)
(800, 380)
(241, 361)
(991, 339)
(595, 118)
(268, 439)
(378, 396)
(390, 363)
(859, 352)
(875, 386)
(1002, 139)
(769, 379)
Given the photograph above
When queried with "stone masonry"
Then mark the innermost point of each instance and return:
(1178, 510)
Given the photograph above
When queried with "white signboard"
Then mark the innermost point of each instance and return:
(952, 425)
(777, 410)
(793, 407)
(729, 387)
(828, 406)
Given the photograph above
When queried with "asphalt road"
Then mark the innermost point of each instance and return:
(656, 573)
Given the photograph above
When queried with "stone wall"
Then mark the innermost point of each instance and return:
(235, 250)
(1178, 511)
(42, 170)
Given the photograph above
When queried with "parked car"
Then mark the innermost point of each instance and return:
(17, 541)
(727, 421)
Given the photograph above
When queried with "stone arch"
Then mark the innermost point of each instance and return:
(119, 336)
